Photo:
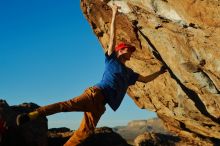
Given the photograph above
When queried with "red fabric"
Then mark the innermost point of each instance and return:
(124, 45)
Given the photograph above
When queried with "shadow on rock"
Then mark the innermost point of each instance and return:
(105, 137)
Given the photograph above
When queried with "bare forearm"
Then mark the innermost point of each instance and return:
(149, 78)
(112, 32)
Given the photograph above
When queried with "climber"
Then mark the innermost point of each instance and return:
(110, 90)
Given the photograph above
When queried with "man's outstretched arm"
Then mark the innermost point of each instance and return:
(153, 76)
(112, 30)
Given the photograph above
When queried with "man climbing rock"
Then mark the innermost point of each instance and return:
(111, 90)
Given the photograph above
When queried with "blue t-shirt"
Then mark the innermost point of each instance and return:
(115, 81)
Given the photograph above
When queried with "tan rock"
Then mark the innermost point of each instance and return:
(183, 35)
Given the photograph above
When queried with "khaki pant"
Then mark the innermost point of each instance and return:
(91, 102)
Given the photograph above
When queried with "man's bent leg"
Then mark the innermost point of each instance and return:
(86, 128)
(89, 120)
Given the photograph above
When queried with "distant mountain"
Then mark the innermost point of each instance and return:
(58, 136)
(137, 127)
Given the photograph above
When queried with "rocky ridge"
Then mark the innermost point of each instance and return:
(182, 35)
(138, 127)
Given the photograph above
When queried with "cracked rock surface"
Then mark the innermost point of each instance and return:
(184, 36)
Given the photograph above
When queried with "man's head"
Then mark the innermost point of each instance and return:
(124, 51)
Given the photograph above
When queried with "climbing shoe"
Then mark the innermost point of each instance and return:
(22, 118)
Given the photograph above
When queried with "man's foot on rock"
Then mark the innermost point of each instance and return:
(22, 118)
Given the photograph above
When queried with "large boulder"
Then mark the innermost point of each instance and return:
(105, 136)
(33, 133)
(58, 136)
(182, 35)
(158, 139)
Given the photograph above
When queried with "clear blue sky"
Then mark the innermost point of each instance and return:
(48, 53)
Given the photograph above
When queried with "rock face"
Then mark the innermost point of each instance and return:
(31, 134)
(185, 37)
